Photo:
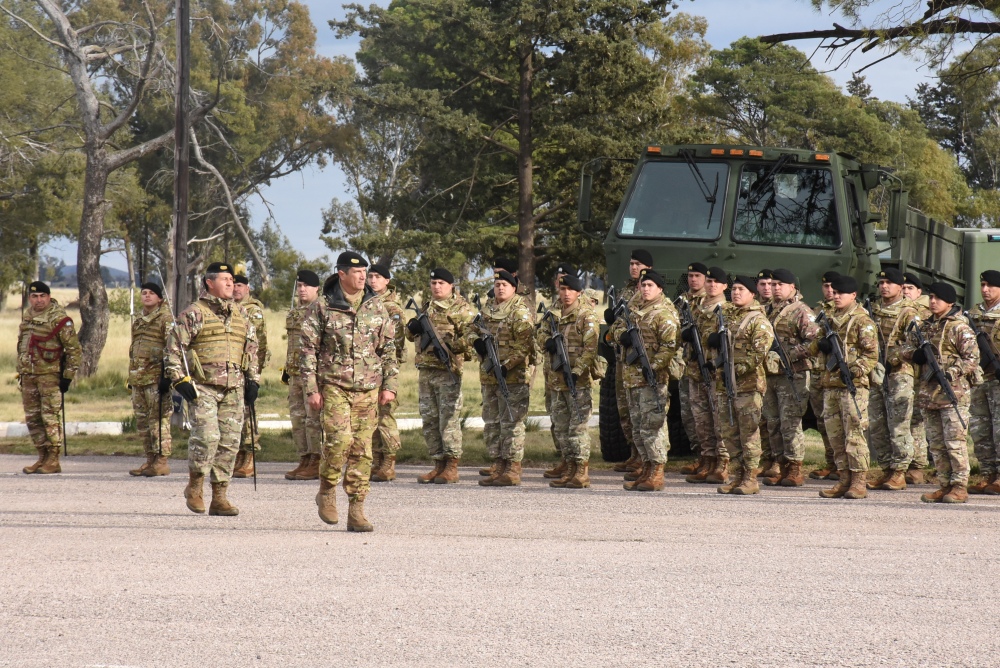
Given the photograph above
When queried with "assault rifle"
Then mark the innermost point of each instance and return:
(989, 357)
(933, 370)
(560, 358)
(492, 360)
(786, 364)
(636, 347)
(687, 322)
(837, 360)
(429, 337)
(882, 352)
(725, 362)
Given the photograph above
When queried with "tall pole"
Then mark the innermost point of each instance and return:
(181, 154)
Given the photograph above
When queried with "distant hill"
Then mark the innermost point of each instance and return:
(113, 278)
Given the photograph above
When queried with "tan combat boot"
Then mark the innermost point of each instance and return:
(720, 474)
(633, 460)
(895, 482)
(293, 474)
(707, 466)
(387, 471)
(511, 476)
(311, 470)
(568, 473)
(51, 463)
(499, 465)
(874, 481)
(772, 470)
(558, 471)
(42, 454)
(449, 475)
(957, 494)
(935, 496)
(858, 488)
(244, 465)
(653, 482)
(220, 504)
(793, 476)
(821, 474)
(326, 501)
(630, 485)
(430, 476)
(993, 489)
(581, 476)
(356, 520)
(159, 466)
(377, 458)
(984, 482)
(914, 477)
(779, 472)
(491, 471)
(134, 472)
(632, 475)
(838, 490)
(748, 485)
(193, 492)
(766, 465)
(734, 482)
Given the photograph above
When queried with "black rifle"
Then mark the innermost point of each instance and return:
(989, 357)
(429, 337)
(492, 361)
(933, 370)
(786, 364)
(253, 443)
(687, 322)
(560, 358)
(837, 360)
(62, 397)
(725, 362)
(883, 350)
(637, 349)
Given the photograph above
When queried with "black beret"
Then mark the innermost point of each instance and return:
(765, 273)
(829, 277)
(350, 259)
(783, 276)
(38, 287)
(565, 268)
(909, 278)
(443, 274)
(990, 277)
(718, 274)
(504, 275)
(572, 281)
(381, 270)
(643, 255)
(650, 275)
(844, 284)
(749, 282)
(506, 263)
(697, 268)
(220, 268)
(240, 278)
(152, 287)
(307, 277)
(943, 291)
(892, 275)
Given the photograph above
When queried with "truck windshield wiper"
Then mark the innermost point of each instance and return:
(702, 184)
(757, 189)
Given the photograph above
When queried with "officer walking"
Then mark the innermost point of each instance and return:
(151, 400)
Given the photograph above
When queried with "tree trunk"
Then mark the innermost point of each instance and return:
(94, 313)
(525, 203)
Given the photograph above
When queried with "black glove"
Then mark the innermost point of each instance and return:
(919, 356)
(625, 340)
(285, 377)
(186, 389)
(64, 384)
(480, 347)
(550, 346)
(687, 335)
(824, 345)
(503, 371)
(415, 327)
(576, 378)
(714, 341)
(997, 374)
(163, 387)
(250, 392)
(609, 315)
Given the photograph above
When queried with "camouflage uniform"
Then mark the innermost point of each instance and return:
(385, 439)
(348, 354)
(918, 429)
(221, 347)
(146, 367)
(255, 311)
(692, 376)
(621, 396)
(795, 328)
(440, 395)
(43, 340)
(307, 431)
(889, 435)
(707, 427)
(957, 353)
(818, 362)
(984, 418)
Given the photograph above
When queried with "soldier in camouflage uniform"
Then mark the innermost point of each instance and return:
(957, 353)
(250, 438)
(984, 418)
(749, 339)
(220, 345)
(440, 383)
(48, 357)
(656, 319)
(151, 400)
(559, 469)
(385, 440)
(846, 416)
(829, 471)
(890, 404)
(786, 400)
(307, 430)
(349, 368)
(696, 291)
(763, 293)
(510, 321)
(913, 290)
(570, 414)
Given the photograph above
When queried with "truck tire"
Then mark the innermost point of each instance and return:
(614, 445)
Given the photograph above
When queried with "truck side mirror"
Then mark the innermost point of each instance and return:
(899, 201)
(583, 207)
(870, 177)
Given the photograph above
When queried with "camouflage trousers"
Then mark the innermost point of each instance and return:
(552, 426)
(249, 438)
(441, 413)
(385, 439)
(765, 440)
(816, 402)
(621, 396)
(984, 426)
(503, 430)
(569, 422)
(845, 429)
(783, 417)
(687, 415)
(348, 420)
(919, 432)
(42, 409)
(152, 418)
(652, 438)
(215, 431)
(307, 430)
(742, 437)
(706, 424)
(949, 445)
(889, 435)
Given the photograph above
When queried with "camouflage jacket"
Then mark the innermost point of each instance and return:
(293, 330)
(581, 330)
(750, 337)
(354, 350)
(255, 311)
(704, 319)
(794, 328)
(986, 320)
(859, 337)
(891, 321)
(44, 339)
(512, 324)
(225, 354)
(629, 291)
(149, 338)
(452, 319)
(957, 354)
(393, 304)
(658, 325)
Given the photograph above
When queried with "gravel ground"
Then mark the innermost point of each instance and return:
(101, 569)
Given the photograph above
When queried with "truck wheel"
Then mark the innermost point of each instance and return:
(680, 444)
(614, 446)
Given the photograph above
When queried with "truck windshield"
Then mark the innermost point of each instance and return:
(668, 202)
(789, 206)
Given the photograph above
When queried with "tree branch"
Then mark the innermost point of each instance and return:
(873, 37)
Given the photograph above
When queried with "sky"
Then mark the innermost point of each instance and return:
(298, 200)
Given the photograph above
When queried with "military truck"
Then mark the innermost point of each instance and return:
(744, 208)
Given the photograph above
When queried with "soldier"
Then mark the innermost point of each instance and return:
(440, 384)
(763, 294)
(348, 363)
(48, 357)
(250, 437)
(151, 400)
(560, 468)
(510, 322)
(749, 340)
(692, 375)
(890, 404)
(846, 415)
(913, 290)
(570, 414)
(707, 428)
(307, 431)
(957, 353)
(984, 418)
(385, 440)
(220, 344)
(656, 319)
(785, 402)
(825, 305)
(763, 290)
